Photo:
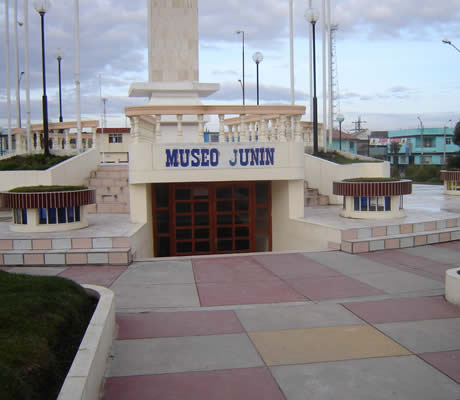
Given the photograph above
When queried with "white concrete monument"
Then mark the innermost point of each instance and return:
(173, 55)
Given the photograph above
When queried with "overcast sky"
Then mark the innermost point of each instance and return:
(392, 66)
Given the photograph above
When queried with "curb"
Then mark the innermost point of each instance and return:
(86, 375)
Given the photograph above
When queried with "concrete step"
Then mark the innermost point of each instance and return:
(112, 189)
(107, 182)
(400, 241)
(66, 257)
(110, 174)
(313, 198)
(109, 208)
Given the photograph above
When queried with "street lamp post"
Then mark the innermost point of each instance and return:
(421, 138)
(42, 6)
(340, 118)
(451, 44)
(242, 47)
(59, 59)
(241, 84)
(258, 58)
(311, 15)
(19, 97)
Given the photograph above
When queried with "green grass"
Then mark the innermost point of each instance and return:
(41, 189)
(340, 159)
(42, 322)
(36, 162)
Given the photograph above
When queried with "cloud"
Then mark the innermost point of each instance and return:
(230, 91)
(113, 42)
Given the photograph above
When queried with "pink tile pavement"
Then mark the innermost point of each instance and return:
(244, 383)
(252, 292)
(450, 245)
(418, 265)
(407, 309)
(176, 324)
(291, 266)
(448, 362)
(336, 287)
(101, 275)
(229, 269)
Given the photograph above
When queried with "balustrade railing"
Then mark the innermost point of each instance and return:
(61, 138)
(231, 123)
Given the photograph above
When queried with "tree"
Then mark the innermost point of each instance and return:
(457, 134)
(395, 147)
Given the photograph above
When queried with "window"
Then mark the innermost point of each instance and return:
(426, 159)
(372, 203)
(115, 138)
(20, 216)
(448, 140)
(428, 142)
(58, 215)
(352, 146)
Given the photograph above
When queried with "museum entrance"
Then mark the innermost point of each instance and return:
(211, 218)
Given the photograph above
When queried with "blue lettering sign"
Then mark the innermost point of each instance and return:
(210, 157)
(195, 155)
(171, 158)
(204, 157)
(214, 157)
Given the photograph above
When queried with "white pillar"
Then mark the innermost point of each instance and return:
(7, 62)
(331, 110)
(324, 43)
(310, 53)
(27, 73)
(291, 47)
(16, 60)
(77, 70)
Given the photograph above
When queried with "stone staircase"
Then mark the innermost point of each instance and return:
(399, 236)
(112, 189)
(313, 198)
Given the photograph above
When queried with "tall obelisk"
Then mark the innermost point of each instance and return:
(173, 55)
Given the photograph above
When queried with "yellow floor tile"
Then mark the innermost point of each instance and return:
(302, 346)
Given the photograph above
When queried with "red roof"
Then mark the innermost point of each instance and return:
(114, 130)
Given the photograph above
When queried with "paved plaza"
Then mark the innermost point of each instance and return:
(316, 325)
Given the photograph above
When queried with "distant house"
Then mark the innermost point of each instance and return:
(114, 146)
(349, 143)
(428, 146)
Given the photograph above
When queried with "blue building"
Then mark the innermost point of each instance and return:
(428, 146)
(350, 143)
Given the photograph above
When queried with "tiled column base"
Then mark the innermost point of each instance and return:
(120, 256)
(400, 236)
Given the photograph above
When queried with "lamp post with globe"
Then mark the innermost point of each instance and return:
(42, 6)
(312, 15)
(258, 58)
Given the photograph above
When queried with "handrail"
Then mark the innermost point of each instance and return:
(213, 109)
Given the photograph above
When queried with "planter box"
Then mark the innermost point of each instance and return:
(451, 182)
(372, 200)
(85, 377)
(48, 211)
